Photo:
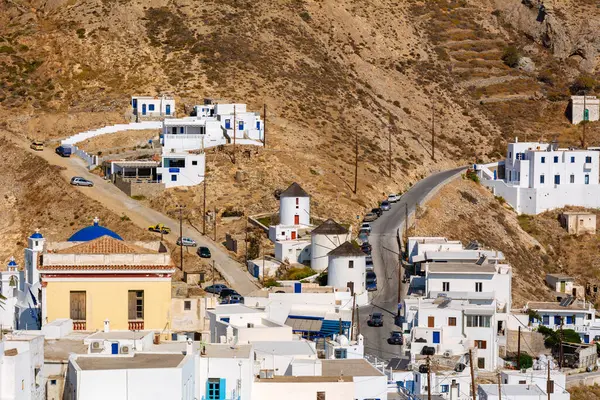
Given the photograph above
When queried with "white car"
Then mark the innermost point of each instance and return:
(392, 198)
(366, 227)
(187, 242)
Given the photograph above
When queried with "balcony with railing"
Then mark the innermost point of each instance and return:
(136, 325)
(79, 325)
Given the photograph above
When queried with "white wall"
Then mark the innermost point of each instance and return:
(288, 209)
(190, 175)
(265, 390)
(293, 251)
(592, 104)
(321, 245)
(233, 370)
(339, 273)
(111, 129)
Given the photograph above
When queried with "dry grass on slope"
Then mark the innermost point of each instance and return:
(466, 211)
(583, 392)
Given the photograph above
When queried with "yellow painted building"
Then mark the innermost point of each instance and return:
(96, 277)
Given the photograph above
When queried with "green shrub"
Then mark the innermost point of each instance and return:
(305, 16)
(526, 361)
(7, 50)
(80, 33)
(500, 199)
(138, 197)
(511, 56)
(583, 82)
(271, 282)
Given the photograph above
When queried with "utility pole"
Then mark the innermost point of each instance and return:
(180, 208)
(356, 163)
(263, 272)
(234, 131)
(584, 119)
(399, 285)
(246, 238)
(519, 350)
(215, 228)
(549, 389)
(561, 359)
(390, 151)
(428, 378)
(500, 386)
(204, 205)
(265, 125)
(213, 276)
(433, 130)
(405, 222)
(353, 311)
(472, 374)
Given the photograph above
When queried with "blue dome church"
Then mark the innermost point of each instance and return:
(93, 232)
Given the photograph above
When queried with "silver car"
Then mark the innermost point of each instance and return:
(187, 242)
(79, 181)
(385, 205)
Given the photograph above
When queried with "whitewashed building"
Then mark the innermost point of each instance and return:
(22, 375)
(325, 238)
(152, 106)
(294, 206)
(572, 314)
(183, 168)
(539, 378)
(450, 328)
(446, 384)
(191, 133)
(348, 268)
(536, 177)
(584, 108)
(134, 377)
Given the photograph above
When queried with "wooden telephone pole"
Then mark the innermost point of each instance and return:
(433, 130)
(519, 350)
(428, 378)
(584, 119)
(204, 205)
(356, 163)
(499, 386)
(390, 151)
(473, 387)
(264, 125)
(234, 131)
(180, 208)
(549, 389)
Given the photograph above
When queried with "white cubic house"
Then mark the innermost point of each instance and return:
(536, 177)
(145, 107)
(584, 108)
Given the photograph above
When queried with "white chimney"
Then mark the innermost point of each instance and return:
(516, 139)
(189, 348)
(106, 325)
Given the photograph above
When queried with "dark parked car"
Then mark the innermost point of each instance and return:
(203, 252)
(377, 211)
(216, 288)
(371, 281)
(366, 248)
(63, 151)
(227, 292)
(385, 205)
(396, 338)
(376, 319)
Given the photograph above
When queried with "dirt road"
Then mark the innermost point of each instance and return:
(115, 200)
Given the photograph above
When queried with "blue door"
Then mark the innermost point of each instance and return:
(586, 338)
(134, 104)
(143, 109)
(436, 337)
(241, 125)
(114, 348)
(227, 124)
(258, 125)
(168, 111)
(256, 271)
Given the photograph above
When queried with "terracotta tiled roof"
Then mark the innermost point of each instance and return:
(103, 267)
(105, 245)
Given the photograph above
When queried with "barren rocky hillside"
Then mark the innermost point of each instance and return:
(332, 73)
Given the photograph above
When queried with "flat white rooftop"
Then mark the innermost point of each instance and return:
(119, 335)
(227, 351)
(294, 347)
(513, 390)
(224, 309)
(137, 361)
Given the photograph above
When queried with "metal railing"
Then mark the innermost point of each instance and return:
(136, 325)
(79, 325)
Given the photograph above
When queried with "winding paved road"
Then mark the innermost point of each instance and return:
(386, 251)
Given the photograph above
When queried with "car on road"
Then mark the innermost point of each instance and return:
(377, 211)
(369, 262)
(37, 145)
(216, 288)
(227, 292)
(63, 151)
(392, 198)
(369, 217)
(233, 299)
(79, 181)
(203, 252)
(375, 319)
(160, 228)
(385, 205)
(396, 338)
(365, 231)
(371, 281)
(186, 242)
(366, 248)
(363, 237)
(366, 226)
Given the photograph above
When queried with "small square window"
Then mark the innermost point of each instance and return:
(543, 159)
(572, 179)
(150, 107)
(173, 178)
(542, 179)
(555, 159)
(53, 382)
(588, 159)
(572, 160)
(351, 264)
(451, 321)
(187, 305)
(194, 162)
(587, 179)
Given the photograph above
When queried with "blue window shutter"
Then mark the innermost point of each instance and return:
(258, 125)
(207, 389)
(222, 389)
